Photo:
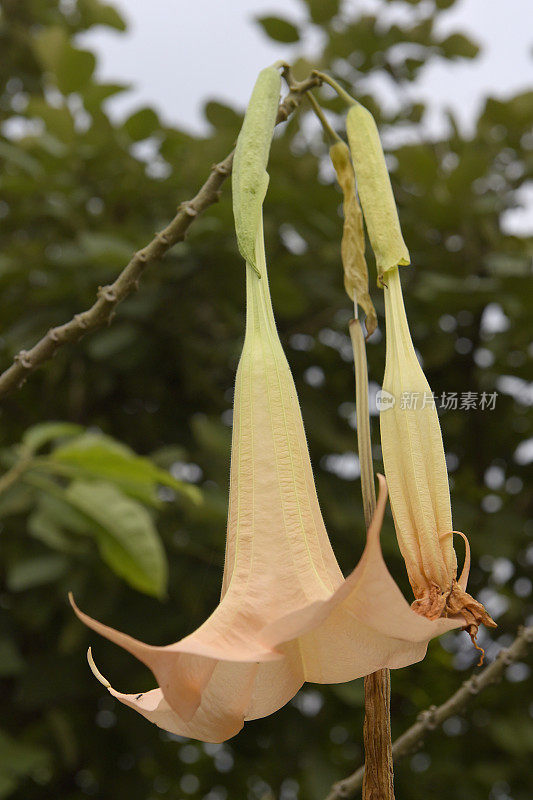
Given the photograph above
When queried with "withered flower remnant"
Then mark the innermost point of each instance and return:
(411, 439)
(353, 236)
(415, 466)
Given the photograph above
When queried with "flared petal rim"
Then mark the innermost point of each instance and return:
(364, 625)
(370, 597)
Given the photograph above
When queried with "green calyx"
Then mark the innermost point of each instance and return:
(250, 177)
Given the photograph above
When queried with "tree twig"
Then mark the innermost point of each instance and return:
(108, 297)
(434, 716)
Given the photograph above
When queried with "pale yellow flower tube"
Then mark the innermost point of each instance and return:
(413, 456)
(415, 466)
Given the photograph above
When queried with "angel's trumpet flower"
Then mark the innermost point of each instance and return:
(411, 440)
(286, 614)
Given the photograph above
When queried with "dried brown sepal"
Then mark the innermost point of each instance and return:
(434, 604)
(353, 237)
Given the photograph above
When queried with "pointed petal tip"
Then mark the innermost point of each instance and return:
(465, 572)
(95, 671)
(374, 529)
(79, 613)
(382, 482)
(73, 604)
(463, 578)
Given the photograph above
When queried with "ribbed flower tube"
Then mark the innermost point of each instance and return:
(417, 477)
(413, 456)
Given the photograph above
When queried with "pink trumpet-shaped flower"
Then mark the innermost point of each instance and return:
(286, 614)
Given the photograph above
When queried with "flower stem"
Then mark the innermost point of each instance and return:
(378, 781)
(325, 78)
(364, 443)
(328, 130)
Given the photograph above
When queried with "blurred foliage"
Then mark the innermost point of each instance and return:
(79, 192)
(103, 493)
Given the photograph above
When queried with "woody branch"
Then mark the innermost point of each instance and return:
(109, 297)
(434, 716)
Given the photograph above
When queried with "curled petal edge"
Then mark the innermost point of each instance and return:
(370, 597)
(207, 692)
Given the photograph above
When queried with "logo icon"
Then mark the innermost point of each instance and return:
(384, 400)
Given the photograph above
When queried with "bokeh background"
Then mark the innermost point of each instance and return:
(85, 181)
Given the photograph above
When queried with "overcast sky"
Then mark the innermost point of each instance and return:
(179, 53)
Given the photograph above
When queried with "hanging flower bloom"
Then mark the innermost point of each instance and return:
(411, 440)
(286, 614)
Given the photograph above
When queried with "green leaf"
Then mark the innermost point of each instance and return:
(14, 154)
(444, 4)
(72, 68)
(142, 124)
(281, 30)
(164, 457)
(95, 94)
(55, 505)
(322, 11)
(95, 13)
(459, 46)
(127, 538)
(38, 435)
(36, 571)
(101, 457)
(18, 760)
(16, 500)
(48, 45)
(43, 525)
(59, 121)
(221, 116)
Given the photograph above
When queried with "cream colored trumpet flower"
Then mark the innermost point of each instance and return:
(286, 614)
